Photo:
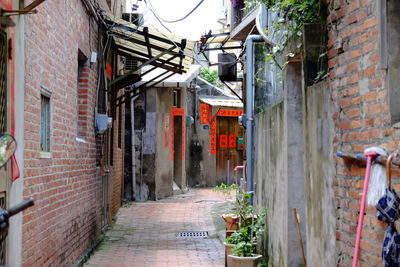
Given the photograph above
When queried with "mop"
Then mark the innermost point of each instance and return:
(377, 182)
(377, 186)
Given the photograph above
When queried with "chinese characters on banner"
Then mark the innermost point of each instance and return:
(213, 137)
(229, 113)
(223, 141)
(232, 141)
(166, 130)
(229, 140)
(204, 113)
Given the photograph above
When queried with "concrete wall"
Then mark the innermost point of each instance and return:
(319, 171)
(201, 165)
(158, 166)
(271, 180)
(278, 170)
(164, 174)
(149, 145)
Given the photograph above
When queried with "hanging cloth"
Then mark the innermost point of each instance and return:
(388, 211)
(15, 168)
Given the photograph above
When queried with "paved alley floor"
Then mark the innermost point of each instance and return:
(146, 234)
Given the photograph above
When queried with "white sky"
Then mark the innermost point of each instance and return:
(203, 19)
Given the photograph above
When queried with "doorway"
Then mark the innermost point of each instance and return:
(178, 145)
(229, 154)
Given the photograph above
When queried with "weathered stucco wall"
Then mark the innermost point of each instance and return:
(200, 164)
(164, 174)
(278, 170)
(148, 139)
(320, 212)
(270, 177)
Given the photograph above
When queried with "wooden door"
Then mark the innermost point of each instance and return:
(228, 156)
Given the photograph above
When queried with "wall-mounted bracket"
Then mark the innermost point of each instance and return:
(26, 10)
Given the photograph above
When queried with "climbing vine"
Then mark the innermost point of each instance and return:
(291, 15)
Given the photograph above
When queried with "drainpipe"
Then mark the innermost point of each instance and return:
(133, 150)
(250, 109)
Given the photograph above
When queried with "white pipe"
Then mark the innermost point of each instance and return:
(133, 150)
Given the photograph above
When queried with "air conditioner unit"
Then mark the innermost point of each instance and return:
(138, 20)
(132, 64)
(134, 18)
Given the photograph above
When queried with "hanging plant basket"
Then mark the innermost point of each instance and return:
(237, 3)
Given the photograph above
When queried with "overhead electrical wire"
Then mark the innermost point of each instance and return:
(156, 16)
(172, 21)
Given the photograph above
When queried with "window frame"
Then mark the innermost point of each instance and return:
(45, 93)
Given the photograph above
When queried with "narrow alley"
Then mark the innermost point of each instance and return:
(147, 233)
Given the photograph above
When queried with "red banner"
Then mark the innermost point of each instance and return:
(166, 130)
(232, 141)
(204, 113)
(213, 137)
(223, 140)
(229, 113)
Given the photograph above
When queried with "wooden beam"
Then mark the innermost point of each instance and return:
(139, 67)
(33, 5)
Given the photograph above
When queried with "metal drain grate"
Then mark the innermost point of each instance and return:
(193, 234)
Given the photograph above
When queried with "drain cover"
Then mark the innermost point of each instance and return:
(193, 234)
(208, 201)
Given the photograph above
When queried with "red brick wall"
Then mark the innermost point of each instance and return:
(116, 187)
(83, 103)
(362, 119)
(66, 187)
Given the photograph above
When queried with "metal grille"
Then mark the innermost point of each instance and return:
(3, 82)
(193, 234)
(3, 244)
(131, 64)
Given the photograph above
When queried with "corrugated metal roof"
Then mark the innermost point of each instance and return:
(176, 80)
(222, 102)
(145, 43)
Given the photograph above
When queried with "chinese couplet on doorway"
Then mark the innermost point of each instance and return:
(225, 141)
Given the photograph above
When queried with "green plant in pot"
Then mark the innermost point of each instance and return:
(241, 245)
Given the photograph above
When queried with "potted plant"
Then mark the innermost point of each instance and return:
(240, 247)
(244, 251)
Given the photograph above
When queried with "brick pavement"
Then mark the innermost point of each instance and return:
(145, 234)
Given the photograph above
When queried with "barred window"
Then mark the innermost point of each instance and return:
(45, 124)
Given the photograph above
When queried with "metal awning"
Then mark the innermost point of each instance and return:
(221, 102)
(149, 46)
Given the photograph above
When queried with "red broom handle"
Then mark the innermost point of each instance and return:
(362, 209)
